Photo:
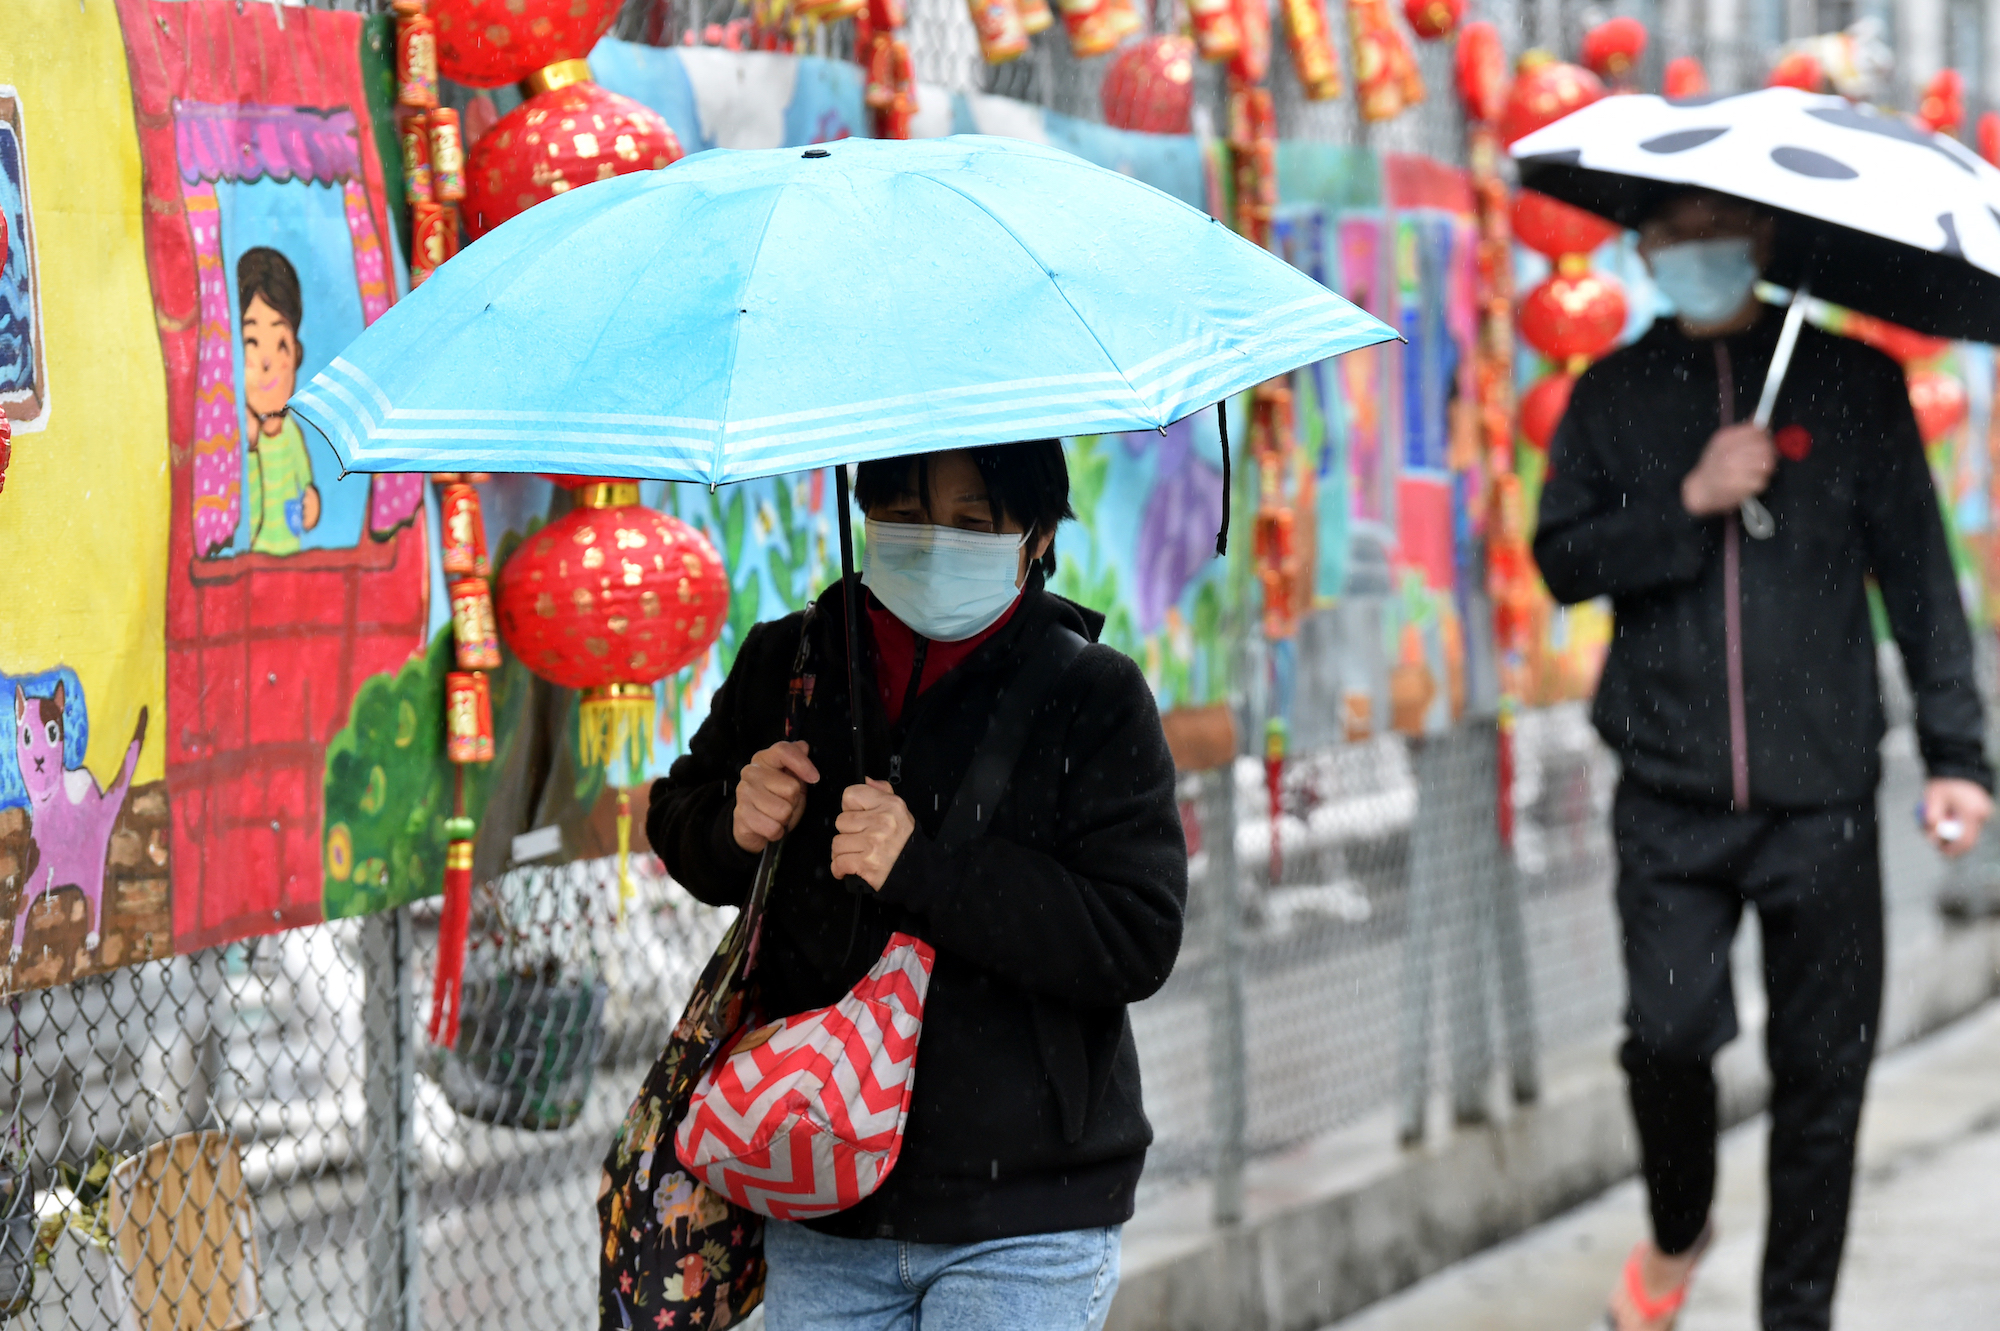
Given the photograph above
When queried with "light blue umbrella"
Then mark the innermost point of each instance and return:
(745, 314)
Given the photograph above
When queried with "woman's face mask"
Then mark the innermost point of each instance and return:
(946, 583)
(1707, 280)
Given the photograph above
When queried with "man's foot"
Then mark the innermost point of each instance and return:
(1653, 1286)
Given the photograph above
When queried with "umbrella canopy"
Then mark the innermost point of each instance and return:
(745, 314)
(1874, 212)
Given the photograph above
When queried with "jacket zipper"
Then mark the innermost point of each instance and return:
(1732, 607)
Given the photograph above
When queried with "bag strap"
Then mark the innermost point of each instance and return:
(798, 697)
(1007, 731)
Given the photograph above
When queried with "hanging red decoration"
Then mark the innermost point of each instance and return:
(1799, 69)
(1434, 20)
(1314, 60)
(1989, 136)
(448, 987)
(1576, 312)
(1943, 105)
(1150, 86)
(1545, 90)
(1217, 35)
(1479, 68)
(1002, 35)
(1940, 403)
(609, 598)
(6, 448)
(1905, 345)
(1252, 60)
(447, 155)
(569, 133)
(1036, 16)
(1542, 408)
(1684, 77)
(468, 717)
(1253, 155)
(416, 55)
(488, 43)
(1554, 228)
(1386, 81)
(1614, 48)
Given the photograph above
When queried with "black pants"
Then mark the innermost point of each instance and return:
(1815, 877)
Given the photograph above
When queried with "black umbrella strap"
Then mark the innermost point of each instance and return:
(1222, 425)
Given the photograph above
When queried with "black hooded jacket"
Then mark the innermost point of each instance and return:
(1852, 497)
(1026, 1114)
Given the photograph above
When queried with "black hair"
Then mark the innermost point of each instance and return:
(262, 271)
(1028, 482)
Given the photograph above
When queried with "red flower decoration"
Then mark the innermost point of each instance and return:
(1794, 442)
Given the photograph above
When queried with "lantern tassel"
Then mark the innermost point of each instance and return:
(613, 720)
(449, 986)
(625, 890)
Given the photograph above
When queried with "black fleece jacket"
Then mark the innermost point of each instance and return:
(1852, 497)
(1026, 1114)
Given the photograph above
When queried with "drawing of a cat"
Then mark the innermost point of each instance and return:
(71, 819)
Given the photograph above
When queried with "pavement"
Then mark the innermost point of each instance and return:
(1920, 1254)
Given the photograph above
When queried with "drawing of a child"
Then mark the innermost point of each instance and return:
(279, 492)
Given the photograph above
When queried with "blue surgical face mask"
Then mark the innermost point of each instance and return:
(944, 582)
(1707, 280)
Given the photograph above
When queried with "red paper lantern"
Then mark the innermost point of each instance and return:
(1542, 408)
(1989, 136)
(607, 599)
(1552, 227)
(1939, 401)
(1434, 20)
(1943, 106)
(1545, 91)
(1684, 78)
(1614, 47)
(1150, 86)
(1800, 69)
(556, 140)
(488, 43)
(1576, 312)
(1480, 69)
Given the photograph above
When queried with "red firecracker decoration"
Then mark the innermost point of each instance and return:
(1217, 36)
(1150, 86)
(472, 625)
(1479, 68)
(1943, 106)
(1542, 408)
(468, 717)
(1554, 228)
(488, 43)
(1545, 90)
(571, 133)
(1252, 60)
(1989, 136)
(1614, 48)
(447, 155)
(416, 137)
(416, 56)
(433, 238)
(1434, 20)
(1253, 154)
(1386, 81)
(1800, 69)
(1684, 77)
(1575, 313)
(1036, 16)
(6, 448)
(447, 990)
(1002, 35)
(607, 599)
(1314, 60)
(464, 535)
(1940, 402)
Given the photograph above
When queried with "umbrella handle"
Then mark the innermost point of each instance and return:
(849, 602)
(1757, 520)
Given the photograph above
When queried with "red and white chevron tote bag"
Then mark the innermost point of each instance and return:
(804, 1117)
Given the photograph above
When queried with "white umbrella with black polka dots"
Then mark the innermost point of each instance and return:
(1874, 211)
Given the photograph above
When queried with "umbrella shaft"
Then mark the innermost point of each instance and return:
(850, 596)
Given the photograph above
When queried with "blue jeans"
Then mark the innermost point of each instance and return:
(1047, 1282)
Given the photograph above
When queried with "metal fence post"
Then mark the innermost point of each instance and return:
(1466, 825)
(1413, 1069)
(1229, 1063)
(390, 1204)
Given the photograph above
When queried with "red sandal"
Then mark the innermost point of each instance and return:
(1655, 1313)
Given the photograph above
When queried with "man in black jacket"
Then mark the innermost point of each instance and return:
(1740, 695)
(1026, 1134)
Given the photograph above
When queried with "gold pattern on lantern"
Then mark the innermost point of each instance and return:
(626, 148)
(544, 545)
(638, 660)
(630, 538)
(634, 573)
(581, 596)
(618, 623)
(692, 563)
(685, 592)
(596, 646)
(584, 536)
(700, 625)
(586, 145)
(545, 606)
(649, 603)
(593, 558)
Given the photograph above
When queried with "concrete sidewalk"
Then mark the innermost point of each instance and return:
(1921, 1252)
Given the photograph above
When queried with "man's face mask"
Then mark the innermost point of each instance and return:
(1707, 280)
(945, 583)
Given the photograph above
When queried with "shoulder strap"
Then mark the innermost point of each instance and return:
(1006, 734)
